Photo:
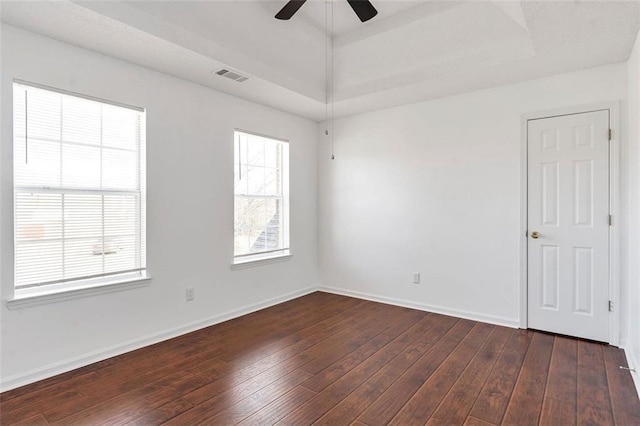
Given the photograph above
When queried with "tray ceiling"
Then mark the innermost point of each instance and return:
(411, 51)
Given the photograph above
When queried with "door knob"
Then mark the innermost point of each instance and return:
(535, 234)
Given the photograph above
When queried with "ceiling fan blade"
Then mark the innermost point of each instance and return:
(363, 8)
(289, 9)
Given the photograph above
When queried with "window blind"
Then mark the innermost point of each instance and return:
(79, 201)
(261, 190)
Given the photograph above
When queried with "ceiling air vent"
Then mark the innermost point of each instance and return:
(232, 75)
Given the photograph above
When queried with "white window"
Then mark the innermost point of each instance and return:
(261, 209)
(79, 191)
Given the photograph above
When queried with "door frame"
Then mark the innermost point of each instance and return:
(614, 207)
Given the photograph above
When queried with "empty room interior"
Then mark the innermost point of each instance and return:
(340, 212)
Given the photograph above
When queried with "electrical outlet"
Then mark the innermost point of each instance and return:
(416, 277)
(190, 294)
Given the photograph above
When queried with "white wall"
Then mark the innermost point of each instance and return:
(434, 187)
(632, 344)
(190, 213)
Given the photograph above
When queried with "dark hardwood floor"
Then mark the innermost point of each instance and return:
(328, 359)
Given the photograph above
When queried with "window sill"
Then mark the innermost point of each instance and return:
(45, 298)
(259, 261)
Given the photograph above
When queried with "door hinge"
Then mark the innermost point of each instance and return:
(610, 220)
(610, 134)
(610, 306)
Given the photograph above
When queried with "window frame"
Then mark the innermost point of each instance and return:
(63, 289)
(276, 255)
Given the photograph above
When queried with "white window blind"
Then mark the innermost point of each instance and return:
(79, 190)
(261, 209)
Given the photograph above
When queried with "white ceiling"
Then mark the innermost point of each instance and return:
(411, 51)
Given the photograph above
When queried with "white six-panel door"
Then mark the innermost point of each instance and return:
(568, 224)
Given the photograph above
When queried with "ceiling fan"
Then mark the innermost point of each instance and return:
(363, 8)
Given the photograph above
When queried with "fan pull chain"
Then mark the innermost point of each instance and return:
(326, 68)
(333, 157)
(328, 82)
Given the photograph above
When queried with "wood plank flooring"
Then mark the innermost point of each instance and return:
(332, 360)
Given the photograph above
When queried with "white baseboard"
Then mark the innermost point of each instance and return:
(475, 316)
(51, 370)
(77, 362)
(632, 360)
